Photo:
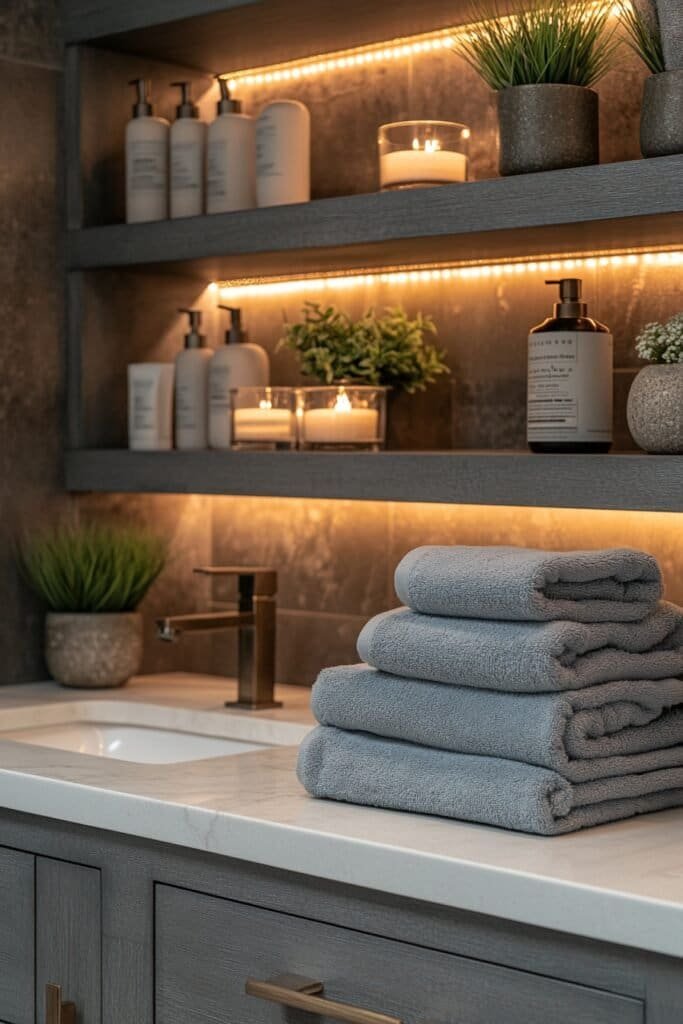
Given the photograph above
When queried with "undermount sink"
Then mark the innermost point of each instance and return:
(144, 733)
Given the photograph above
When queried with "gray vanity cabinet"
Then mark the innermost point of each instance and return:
(50, 925)
(208, 951)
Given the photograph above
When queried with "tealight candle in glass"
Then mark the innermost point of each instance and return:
(419, 154)
(264, 418)
(343, 416)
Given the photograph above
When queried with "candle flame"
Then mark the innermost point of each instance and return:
(342, 402)
(265, 404)
(430, 146)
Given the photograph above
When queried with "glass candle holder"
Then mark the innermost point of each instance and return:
(420, 154)
(264, 418)
(343, 416)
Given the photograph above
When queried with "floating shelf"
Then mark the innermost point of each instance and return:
(628, 481)
(622, 205)
(225, 35)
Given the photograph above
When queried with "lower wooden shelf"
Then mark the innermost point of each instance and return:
(618, 481)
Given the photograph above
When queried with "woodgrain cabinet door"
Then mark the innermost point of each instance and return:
(68, 936)
(207, 949)
(17, 952)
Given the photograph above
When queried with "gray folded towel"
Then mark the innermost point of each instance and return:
(618, 585)
(613, 729)
(524, 656)
(362, 769)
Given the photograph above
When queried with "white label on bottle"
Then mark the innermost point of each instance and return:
(569, 391)
(143, 394)
(266, 148)
(185, 409)
(186, 166)
(216, 166)
(219, 385)
(147, 164)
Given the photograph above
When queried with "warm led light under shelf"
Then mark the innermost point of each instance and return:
(389, 50)
(424, 274)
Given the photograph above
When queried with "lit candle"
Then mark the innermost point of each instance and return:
(264, 424)
(422, 165)
(342, 424)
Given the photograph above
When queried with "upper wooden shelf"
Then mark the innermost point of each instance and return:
(628, 481)
(226, 35)
(611, 206)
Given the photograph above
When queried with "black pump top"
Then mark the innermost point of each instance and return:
(194, 338)
(570, 304)
(235, 333)
(186, 108)
(226, 104)
(142, 107)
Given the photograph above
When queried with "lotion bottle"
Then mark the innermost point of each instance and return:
(150, 405)
(146, 160)
(192, 387)
(187, 145)
(569, 378)
(238, 364)
(231, 157)
(283, 154)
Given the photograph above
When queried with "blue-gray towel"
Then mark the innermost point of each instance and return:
(524, 657)
(618, 585)
(612, 729)
(362, 769)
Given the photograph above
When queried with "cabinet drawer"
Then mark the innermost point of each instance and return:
(17, 924)
(206, 948)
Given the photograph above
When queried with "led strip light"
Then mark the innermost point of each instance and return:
(389, 50)
(433, 273)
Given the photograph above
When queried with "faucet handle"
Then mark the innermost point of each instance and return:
(262, 579)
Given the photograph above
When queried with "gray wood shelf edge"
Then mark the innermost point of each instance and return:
(641, 197)
(620, 481)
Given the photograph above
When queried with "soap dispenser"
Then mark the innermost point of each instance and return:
(146, 160)
(231, 157)
(237, 364)
(191, 387)
(188, 142)
(569, 378)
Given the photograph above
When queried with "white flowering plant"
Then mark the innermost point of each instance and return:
(662, 343)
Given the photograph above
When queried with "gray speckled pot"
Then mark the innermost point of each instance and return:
(661, 116)
(655, 409)
(545, 127)
(93, 651)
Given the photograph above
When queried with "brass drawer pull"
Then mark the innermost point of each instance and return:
(57, 1012)
(305, 994)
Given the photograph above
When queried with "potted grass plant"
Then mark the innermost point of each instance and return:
(91, 579)
(654, 31)
(655, 402)
(542, 63)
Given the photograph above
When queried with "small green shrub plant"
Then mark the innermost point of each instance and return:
(91, 568)
(388, 350)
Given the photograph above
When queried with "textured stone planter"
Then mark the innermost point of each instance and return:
(655, 409)
(661, 115)
(545, 127)
(93, 651)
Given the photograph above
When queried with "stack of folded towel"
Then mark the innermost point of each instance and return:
(533, 690)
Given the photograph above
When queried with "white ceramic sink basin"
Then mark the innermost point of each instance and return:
(144, 733)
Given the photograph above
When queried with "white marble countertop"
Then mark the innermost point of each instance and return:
(620, 883)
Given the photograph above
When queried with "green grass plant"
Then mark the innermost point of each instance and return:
(551, 42)
(643, 37)
(93, 568)
(388, 350)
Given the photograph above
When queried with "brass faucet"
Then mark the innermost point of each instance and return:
(255, 621)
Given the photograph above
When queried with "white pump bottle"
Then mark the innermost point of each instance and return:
(188, 142)
(146, 160)
(237, 364)
(191, 387)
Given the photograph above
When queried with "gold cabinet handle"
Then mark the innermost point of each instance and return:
(57, 1012)
(306, 994)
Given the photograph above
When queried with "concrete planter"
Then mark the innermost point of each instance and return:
(661, 116)
(93, 651)
(655, 409)
(545, 127)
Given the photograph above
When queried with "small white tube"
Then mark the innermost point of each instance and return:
(150, 406)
